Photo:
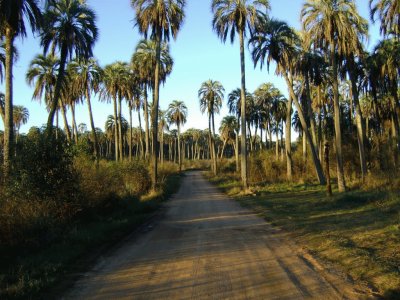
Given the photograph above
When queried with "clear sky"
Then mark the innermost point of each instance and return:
(198, 56)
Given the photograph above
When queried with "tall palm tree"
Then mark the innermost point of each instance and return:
(13, 17)
(114, 77)
(70, 27)
(143, 63)
(211, 94)
(21, 116)
(234, 17)
(388, 13)
(274, 40)
(177, 113)
(335, 27)
(161, 19)
(86, 79)
(229, 127)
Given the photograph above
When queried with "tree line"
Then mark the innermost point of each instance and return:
(337, 87)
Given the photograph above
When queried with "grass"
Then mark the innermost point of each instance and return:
(358, 232)
(31, 273)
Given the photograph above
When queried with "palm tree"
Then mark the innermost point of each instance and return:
(162, 19)
(388, 13)
(86, 79)
(211, 94)
(143, 63)
(21, 116)
(177, 113)
(69, 27)
(229, 127)
(233, 17)
(13, 17)
(114, 78)
(274, 40)
(335, 27)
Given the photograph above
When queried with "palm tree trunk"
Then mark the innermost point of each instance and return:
(288, 140)
(243, 112)
(237, 150)
(360, 130)
(146, 122)
(94, 135)
(130, 133)
(310, 113)
(213, 144)
(8, 105)
(74, 127)
(140, 135)
(162, 147)
(338, 132)
(155, 109)
(277, 144)
(66, 126)
(223, 149)
(120, 138)
(57, 91)
(115, 129)
(317, 162)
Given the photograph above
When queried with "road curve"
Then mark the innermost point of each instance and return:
(207, 247)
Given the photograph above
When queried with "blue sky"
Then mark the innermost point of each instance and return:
(198, 55)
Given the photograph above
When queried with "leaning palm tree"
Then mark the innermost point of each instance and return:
(234, 17)
(177, 114)
(69, 27)
(161, 19)
(163, 125)
(388, 13)
(335, 27)
(143, 63)
(86, 78)
(21, 116)
(13, 17)
(211, 95)
(274, 40)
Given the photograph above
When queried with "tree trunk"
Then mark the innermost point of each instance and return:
(237, 150)
(317, 163)
(130, 133)
(277, 145)
(66, 126)
(288, 140)
(338, 132)
(94, 135)
(140, 135)
(146, 122)
(115, 129)
(8, 105)
(154, 115)
(360, 130)
(120, 138)
(243, 113)
(74, 127)
(213, 144)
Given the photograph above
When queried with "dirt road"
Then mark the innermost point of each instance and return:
(208, 247)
